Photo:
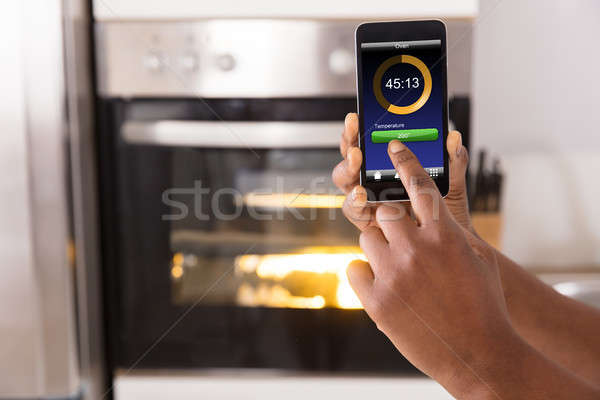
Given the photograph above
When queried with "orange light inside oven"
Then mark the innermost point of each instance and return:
(275, 296)
(293, 200)
(177, 266)
(311, 260)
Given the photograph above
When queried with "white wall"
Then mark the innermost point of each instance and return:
(537, 104)
(537, 75)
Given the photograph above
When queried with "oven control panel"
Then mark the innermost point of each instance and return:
(226, 59)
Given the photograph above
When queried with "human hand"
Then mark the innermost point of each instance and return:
(432, 286)
(434, 289)
(346, 177)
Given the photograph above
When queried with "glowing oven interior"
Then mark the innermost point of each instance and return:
(311, 277)
(296, 258)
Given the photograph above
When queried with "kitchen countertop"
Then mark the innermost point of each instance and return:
(235, 385)
(552, 278)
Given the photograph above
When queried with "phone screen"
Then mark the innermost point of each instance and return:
(403, 97)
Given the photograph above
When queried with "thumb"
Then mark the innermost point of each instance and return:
(456, 200)
(361, 279)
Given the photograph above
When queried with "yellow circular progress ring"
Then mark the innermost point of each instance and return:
(402, 110)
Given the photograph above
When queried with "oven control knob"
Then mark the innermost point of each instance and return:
(189, 62)
(226, 62)
(154, 62)
(341, 62)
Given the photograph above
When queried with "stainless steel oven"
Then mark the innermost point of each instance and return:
(222, 234)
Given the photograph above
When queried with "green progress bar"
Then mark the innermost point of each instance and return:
(405, 135)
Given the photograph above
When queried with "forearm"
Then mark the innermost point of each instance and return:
(564, 330)
(518, 371)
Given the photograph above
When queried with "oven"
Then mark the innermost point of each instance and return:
(223, 241)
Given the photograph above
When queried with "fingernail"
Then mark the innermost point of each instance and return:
(459, 147)
(357, 199)
(396, 146)
(459, 150)
(347, 118)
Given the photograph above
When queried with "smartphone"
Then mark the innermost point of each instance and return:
(402, 94)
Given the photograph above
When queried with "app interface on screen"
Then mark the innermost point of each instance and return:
(402, 99)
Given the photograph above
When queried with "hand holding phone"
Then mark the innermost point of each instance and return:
(362, 214)
(402, 95)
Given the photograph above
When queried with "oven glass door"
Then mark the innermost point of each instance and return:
(259, 229)
(224, 241)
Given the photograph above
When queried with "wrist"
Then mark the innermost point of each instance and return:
(501, 362)
(484, 370)
(517, 370)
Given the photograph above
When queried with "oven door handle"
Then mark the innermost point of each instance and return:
(234, 134)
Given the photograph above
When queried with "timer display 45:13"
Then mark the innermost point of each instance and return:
(397, 83)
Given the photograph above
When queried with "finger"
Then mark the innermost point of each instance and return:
(456, 200)
(459, 159)
(424, 196)
(350, 133)
(360, 277)
(395, 223)
(373, 244)
(346, 174)
(356, 209)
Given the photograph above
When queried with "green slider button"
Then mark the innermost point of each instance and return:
(405, 135)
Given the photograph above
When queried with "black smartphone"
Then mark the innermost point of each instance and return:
(402, 94)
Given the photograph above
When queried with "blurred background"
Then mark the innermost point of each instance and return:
(169, 228)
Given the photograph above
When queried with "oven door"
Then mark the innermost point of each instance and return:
(224, 242)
